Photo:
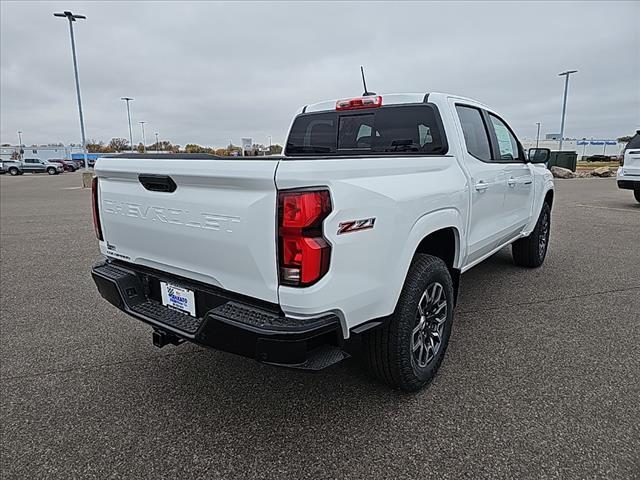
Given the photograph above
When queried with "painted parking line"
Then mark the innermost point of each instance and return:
(605, 208)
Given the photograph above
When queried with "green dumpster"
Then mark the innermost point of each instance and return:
(564, 159)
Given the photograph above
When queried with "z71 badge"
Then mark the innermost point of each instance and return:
(356, 225)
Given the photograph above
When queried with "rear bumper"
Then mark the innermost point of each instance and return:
(223, 321)
(629, 184)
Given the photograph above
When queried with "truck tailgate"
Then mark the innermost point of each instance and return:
(218, 226)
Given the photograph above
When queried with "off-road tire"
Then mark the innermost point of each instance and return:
(528, 251)
(387, 349)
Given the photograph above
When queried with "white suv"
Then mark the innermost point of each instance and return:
(629, 171)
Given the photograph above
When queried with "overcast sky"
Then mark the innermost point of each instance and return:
(209, 72)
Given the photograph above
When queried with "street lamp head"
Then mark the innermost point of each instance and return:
(568, 72)
(126, 99)
(69, 15)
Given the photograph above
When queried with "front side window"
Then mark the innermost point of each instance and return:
(475, 132)
(413, 129)
(507, 143)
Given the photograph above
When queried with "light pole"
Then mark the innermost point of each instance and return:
(564, 101)
(157, 143)
(72, 18)
(128, 99)
(538, 134)
(144, 142)
(20, 150)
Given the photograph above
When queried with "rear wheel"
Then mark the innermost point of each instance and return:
(636, 193)
(408, 350)
(13, 171)
(51, 171)
(531, 251)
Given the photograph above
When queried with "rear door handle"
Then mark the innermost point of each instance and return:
(481, 186)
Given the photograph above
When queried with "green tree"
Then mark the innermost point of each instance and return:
(625, 138)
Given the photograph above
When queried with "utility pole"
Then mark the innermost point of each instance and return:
(144, 141)
(128, 99)
(20, 149)
(157, 143)
(72, 18)
(564, 102)
(538, 134)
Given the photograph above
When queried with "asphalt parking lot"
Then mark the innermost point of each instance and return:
(541, 379)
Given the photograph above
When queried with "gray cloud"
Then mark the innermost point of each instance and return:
(209, 72)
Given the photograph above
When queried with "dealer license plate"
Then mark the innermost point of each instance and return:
(179, 298)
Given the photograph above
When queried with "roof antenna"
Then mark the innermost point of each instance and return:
(364, 82)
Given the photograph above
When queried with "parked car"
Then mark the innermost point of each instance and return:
(628, 176)
(598, 158)
(35, 165)
(358, 234)
(68, 166)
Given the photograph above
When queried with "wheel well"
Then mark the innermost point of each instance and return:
(548, 198)
(443, 244)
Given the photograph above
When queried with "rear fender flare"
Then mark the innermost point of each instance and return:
(423, 227)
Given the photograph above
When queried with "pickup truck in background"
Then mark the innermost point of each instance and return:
(32, 165)
(351, 242)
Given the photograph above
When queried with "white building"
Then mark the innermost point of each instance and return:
(583, 148)
(41, 152)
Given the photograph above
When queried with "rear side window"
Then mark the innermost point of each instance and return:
(475, 132)
(412, 129)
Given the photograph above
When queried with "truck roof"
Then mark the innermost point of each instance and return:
(390, 99)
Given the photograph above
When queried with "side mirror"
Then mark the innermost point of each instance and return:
(539, 155)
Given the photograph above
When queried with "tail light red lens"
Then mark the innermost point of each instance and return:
(359, 103)
(94, 208)
(303, 252)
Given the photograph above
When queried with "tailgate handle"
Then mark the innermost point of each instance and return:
(157, 183)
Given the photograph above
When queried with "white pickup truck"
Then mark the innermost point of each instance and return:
(351, 242)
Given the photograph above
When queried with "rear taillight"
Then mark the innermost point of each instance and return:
(94, 208)
(359, 103)
(303, 252)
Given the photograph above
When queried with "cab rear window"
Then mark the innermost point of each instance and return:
(393, 129)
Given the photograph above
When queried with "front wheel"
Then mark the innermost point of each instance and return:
(636, 193)
(531, 251)
(408, 350)
(13, 171)
(51, 171)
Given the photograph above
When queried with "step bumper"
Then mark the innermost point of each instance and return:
(224, 320)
